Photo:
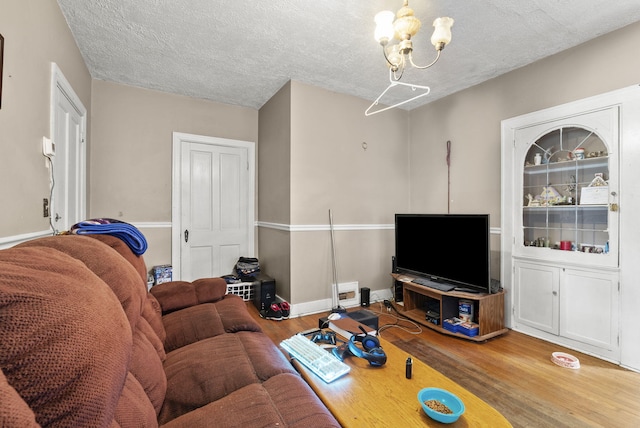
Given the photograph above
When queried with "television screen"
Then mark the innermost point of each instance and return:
(445, 248)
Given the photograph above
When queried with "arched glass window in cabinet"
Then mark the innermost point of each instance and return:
(566, 194)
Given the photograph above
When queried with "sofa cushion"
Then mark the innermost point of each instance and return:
(199, 322)
(296, 402)
(147, 368)
(134, 408)
(123, 249)
(210, 369)
(14, 412)
(66, 342)
(282, 401)
(178, 295)
(106, 263)
(152, 312)
(145, 328)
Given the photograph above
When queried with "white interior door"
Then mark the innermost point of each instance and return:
(214, 206)
(68, 131)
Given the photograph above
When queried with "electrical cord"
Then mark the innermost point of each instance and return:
(397, 318)
(53, 185)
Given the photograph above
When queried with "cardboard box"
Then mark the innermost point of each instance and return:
(162, 273)
(468, 328)
(451, 324)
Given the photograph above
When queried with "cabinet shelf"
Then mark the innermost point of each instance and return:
(596, 162)
(489, 308)
(555, 204)
(594, 207)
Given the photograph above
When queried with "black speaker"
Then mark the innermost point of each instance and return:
(398, 290)
(364, 296)
(394, 265)
(264, 292)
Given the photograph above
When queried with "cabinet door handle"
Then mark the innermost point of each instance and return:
(186, 235)
(555, 293)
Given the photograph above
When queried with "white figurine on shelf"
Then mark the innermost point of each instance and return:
(598, 181)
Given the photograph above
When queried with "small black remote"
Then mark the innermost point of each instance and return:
(409, 368)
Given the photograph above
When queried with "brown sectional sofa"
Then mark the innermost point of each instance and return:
(83, 344)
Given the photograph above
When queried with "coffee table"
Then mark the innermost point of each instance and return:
(383, 396)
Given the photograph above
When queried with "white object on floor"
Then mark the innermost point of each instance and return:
(565, 360)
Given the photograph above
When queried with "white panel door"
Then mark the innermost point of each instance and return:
(68, 117)
(589, 307)
(536, 296)
(216, 208)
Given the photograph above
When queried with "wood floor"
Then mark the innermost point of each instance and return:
(513, 373)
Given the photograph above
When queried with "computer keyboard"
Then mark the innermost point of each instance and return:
(315, 358)
(432, 284)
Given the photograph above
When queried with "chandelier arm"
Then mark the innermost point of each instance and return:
(393, 67)
(384, 52)
(425, 66)
(395, 76)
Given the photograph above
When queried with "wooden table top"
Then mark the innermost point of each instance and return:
(382, 396)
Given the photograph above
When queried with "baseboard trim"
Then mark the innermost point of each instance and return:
(325, 305)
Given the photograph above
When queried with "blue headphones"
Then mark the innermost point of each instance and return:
(372, 351)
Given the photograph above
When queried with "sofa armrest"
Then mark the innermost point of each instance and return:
(176, 295)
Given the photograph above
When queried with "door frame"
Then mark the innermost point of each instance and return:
(180, 138)
(60, 87)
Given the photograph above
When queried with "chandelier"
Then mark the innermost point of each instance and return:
(398, 55)
(403, 29)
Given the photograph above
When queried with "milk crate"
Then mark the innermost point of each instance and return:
(242, 289)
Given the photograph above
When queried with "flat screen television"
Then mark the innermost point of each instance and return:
(445, 248)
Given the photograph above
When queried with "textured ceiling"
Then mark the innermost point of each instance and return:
(242, 51)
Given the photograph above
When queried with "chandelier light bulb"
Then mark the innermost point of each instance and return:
(394, 57)
(442, 33)
(384, 27)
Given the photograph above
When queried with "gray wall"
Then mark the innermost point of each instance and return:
(131, 156)
(312, 159)
(35, 35)
(274, 189)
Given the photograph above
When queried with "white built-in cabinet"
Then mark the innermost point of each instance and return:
(569, 242)
(578, 304)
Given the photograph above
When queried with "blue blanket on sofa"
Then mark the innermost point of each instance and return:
(107, 226)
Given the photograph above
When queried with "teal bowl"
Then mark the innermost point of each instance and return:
(445, 397)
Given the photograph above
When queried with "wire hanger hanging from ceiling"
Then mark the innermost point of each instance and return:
(392, 84)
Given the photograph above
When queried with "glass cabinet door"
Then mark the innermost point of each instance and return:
(566, 194)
